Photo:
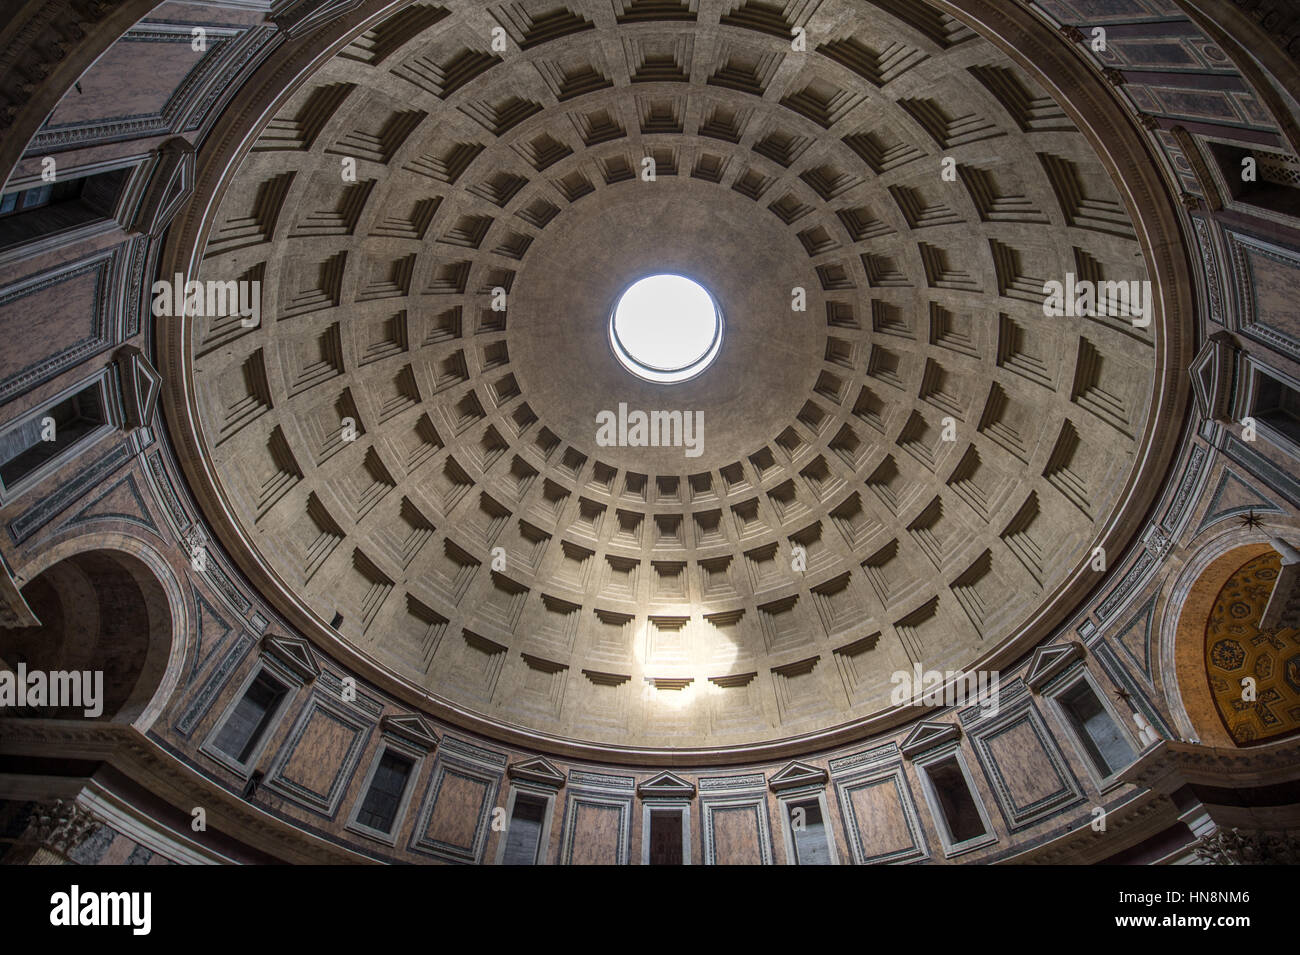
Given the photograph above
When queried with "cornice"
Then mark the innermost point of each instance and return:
(144, 762)
(1169, 765)
(1138, 818)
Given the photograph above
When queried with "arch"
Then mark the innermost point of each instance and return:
(1236, 648)
(110, 602)
(1190, 605)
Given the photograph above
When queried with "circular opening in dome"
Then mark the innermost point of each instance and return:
(665, 328)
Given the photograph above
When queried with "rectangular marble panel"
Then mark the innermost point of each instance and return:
(1030, 778)
(319, 756)
(880, 818)
(737, 831)
(454, 822)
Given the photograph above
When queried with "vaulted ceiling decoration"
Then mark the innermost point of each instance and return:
(909, 469)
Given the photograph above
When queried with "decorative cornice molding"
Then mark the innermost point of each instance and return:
(1170, 765)
(1126, 825)
(299, 17)
(141, 759)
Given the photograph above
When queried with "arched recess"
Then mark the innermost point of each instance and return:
(1219, 597)
(1236, 647)
(107, 603)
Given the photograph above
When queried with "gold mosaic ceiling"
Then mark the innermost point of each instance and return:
(1236, 648)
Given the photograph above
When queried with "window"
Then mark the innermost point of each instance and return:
(1275, 185)
(524, 837)
(1099, 735)
(27, 199)
(385, 793)
(529, 809)
(665, 837)
(666, 819)
(809, 829)
(384, 797)
(805, 817)
(249, 720)
(56, 207)
(665, 328)
(29, 449)
(959, 814)
(1278, 407)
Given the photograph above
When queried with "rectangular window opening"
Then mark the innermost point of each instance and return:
(956, 802)
(238, 739)
(384, 797)
(1102, 739)
(1277, 406)
(811, 847)
(33, 198)
(666, 837)
(524, 838)
(1260, 177)
(27, 448)
(58, 206)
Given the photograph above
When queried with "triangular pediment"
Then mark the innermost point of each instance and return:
(119, 501)
(293, 652)
(537, 770)
(141, 385)
(926, 735)
(169, 188)
(794, 774)
(1048, 662)
(412, 728)
(1211, 372)
(1134, 638)
(666, 785)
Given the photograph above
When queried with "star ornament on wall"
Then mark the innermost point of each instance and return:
(1251, 520)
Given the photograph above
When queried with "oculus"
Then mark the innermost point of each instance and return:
(665, 328)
